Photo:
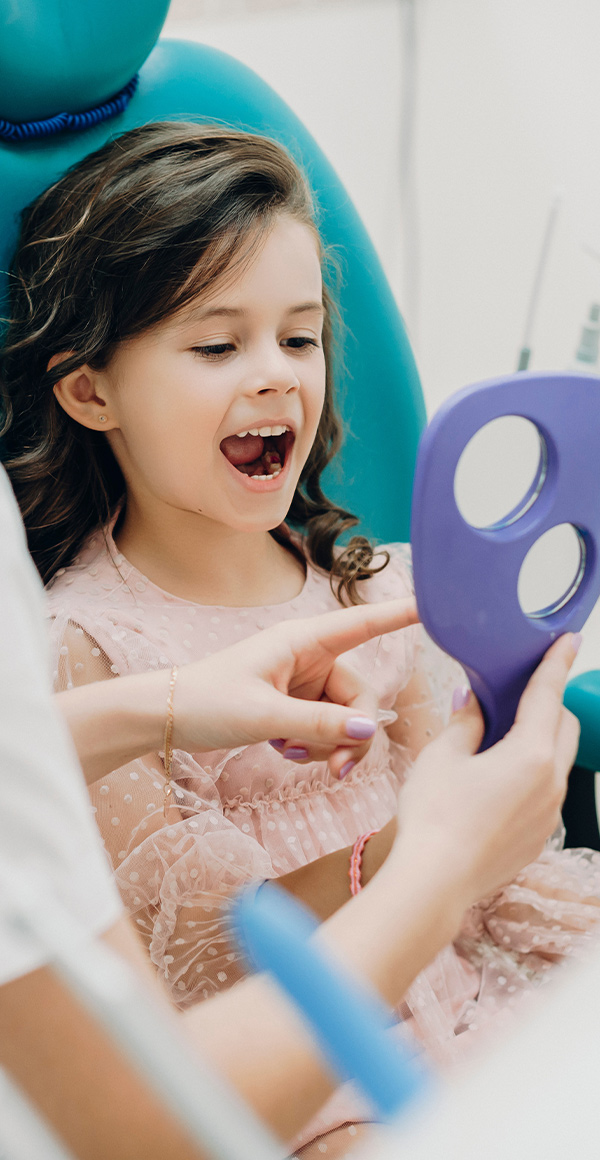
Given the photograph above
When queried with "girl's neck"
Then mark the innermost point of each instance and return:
(205, 562)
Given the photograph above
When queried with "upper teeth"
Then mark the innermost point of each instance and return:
(264, 431)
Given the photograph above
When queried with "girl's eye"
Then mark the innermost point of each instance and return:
(217, 350)
(300, 342)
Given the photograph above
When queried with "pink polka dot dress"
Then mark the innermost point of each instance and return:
(247, 814)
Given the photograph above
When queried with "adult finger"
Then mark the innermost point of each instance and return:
(345, 687)
(464, 732)
(540, 707)
(340, 758)
(346, 628)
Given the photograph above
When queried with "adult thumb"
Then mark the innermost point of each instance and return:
(464, 732)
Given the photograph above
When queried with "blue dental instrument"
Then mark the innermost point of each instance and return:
(350, 1023)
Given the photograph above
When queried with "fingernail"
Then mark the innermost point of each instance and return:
(346, 768)
(360, 728)
(460, 697)
(277, 742)
(296, 753)
(576, 640)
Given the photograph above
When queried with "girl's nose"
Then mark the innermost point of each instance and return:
(272, 372)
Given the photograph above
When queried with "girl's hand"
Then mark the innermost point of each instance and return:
(487, 815)
(287, 684)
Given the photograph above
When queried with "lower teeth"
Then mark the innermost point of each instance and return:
(273, 475)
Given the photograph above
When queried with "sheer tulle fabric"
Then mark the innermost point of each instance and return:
(247, 814)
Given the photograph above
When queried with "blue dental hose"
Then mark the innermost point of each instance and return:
(351, 1024)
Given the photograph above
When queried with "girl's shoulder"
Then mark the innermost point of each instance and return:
(92, 573)
(94, 595)
(83, 604)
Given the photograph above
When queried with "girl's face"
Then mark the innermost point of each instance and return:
(215, 411)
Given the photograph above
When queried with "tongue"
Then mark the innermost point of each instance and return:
(240, 451)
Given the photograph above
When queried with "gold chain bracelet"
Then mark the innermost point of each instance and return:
(168, 748)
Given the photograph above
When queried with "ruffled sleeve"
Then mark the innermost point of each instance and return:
(176, 875)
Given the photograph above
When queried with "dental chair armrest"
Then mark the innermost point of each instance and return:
(582, 697)
(580, 814)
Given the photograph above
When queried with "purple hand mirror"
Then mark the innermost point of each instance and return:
(466, 577)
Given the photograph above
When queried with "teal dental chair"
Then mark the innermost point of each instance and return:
(50, 79)
(184, 81)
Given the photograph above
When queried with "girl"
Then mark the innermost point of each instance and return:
(169, 403)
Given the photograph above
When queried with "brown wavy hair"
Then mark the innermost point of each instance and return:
(125, 239)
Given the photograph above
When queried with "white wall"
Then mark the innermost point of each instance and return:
(509, 93)
(507, 97)
(336, 64)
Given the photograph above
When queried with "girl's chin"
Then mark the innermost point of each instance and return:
(255, 530)
(255, 513)
(257, 525)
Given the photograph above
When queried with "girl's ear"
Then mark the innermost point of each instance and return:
(78, 393)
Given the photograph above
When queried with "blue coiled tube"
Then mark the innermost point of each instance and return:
(69, 122)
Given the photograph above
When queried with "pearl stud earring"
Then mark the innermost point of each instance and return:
(102, 418)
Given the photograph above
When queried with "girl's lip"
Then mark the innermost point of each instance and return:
(258, 485)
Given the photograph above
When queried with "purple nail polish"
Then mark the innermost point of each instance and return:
(576, 640)
(296, 753)
(277, 742)
(360, 728)
(460, 697)
(346, 768)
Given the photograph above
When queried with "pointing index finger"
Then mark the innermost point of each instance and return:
(339, 631)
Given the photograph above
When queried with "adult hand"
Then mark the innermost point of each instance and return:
(287, 683)
(487, 815)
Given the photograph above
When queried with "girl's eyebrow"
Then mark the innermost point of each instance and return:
(305, 307)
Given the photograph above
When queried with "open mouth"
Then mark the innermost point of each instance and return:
(260, 452)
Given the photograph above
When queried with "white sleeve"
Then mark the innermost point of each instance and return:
(47, 829)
